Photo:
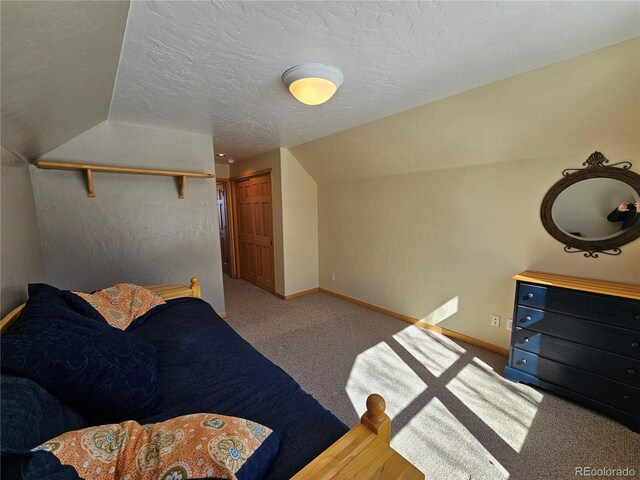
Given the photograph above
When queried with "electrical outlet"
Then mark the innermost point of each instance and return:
(333, 276)
(495, 320)
(509, 323)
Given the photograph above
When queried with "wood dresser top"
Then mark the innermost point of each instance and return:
(617, 289)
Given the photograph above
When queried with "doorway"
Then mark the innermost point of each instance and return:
(254, 226)
(223, 226)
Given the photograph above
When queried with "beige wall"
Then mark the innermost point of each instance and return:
(295, 219)
(413, 243)
(300, 225)
(222, 171)
(135, 229)
(20, 239)
(402, 229)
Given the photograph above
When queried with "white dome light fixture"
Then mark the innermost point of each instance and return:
(313, 83)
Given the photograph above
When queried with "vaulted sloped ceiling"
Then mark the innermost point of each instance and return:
(568, 109)
(215, 67)
(59, 63)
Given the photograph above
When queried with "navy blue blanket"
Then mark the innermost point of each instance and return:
(205, 366)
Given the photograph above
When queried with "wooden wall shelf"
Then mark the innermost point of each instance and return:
(90, 169)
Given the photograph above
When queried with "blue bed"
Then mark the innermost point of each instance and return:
(193, 357)
(205, 366)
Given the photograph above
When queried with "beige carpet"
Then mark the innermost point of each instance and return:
(453, 414)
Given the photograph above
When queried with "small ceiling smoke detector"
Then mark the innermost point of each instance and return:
(221, 154)
(313, 83)
(231, 160)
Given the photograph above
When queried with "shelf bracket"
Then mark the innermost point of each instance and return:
(182, 181)
(91, 189)
(88, 171)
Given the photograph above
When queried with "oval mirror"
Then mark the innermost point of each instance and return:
(594, 209)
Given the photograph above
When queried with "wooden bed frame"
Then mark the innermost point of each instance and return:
(364, 452)
(167, 292)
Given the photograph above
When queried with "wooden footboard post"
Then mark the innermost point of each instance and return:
(375, 419)
(195, 287)
(364, 452)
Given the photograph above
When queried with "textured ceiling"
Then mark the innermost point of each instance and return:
(215, 67)
(59, 62)
(565, 110)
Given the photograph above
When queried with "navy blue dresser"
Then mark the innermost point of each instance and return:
(579, 338)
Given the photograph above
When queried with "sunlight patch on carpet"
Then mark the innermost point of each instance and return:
(508, 408)
(441, 447)
(433, 350)
(380, 370)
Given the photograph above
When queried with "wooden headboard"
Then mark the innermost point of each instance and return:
(168, 292)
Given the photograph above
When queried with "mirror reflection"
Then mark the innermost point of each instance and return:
(596, 209)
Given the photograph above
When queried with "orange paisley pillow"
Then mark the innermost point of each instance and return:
(123, 303)
(202, 445)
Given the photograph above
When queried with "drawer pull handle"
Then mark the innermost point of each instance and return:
(525, 339)
(631, 371)
(627, 397)
(522, 362)
(529, 295)
(635, 344)
(526, 319)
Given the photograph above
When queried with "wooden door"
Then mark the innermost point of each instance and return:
(255, 230)
(223, 225)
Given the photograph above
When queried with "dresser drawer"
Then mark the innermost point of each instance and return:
(612, 339)
(615, 311)
(609, 392)
(609, 365)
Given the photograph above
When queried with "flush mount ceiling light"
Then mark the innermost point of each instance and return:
(313, 83)
(221, 154)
